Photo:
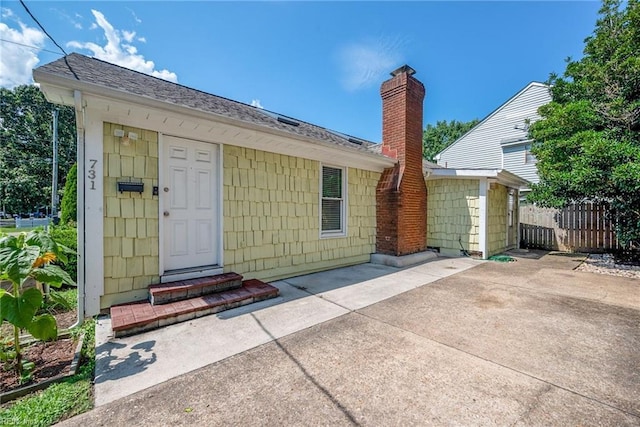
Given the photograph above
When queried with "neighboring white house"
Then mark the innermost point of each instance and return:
(500, 140)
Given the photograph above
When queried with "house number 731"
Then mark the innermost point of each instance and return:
(91, 174)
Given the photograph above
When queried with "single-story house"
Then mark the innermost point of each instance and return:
(175, 183)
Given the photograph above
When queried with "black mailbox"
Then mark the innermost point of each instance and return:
(134, 187)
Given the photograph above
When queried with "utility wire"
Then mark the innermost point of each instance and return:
(50, 38)
(41, 27)
(30, 47)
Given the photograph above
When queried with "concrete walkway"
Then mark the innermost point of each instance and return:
(525, 343)
(127, 365)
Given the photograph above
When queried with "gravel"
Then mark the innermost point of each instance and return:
(605, 264)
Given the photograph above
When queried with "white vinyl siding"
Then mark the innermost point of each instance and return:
(481, 147)
(515, 161)
(332, 205)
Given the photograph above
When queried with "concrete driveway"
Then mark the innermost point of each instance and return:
(525, 343)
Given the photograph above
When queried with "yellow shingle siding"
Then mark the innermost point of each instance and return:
(453, 212)
(131, 260)
(272, 219)
(497, 219)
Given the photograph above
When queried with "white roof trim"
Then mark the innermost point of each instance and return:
(500, 175)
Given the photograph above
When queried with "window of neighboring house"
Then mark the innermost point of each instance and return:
(529, 158)
(332, 221)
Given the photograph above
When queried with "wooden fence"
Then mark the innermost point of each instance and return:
(576, 228)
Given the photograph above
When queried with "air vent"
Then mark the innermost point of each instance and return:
(287, 121)
(355, 141)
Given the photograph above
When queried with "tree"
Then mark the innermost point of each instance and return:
(26, 148)
(588, 141)
(437, 138)
(69, 204)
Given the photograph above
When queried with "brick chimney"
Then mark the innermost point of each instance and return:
(401, 194)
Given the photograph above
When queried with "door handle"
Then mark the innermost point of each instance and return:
(165, 213)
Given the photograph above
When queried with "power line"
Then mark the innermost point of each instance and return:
(50, 38)
(30, 47)
(41, 27)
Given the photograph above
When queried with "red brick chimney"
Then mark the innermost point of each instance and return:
(401, 194)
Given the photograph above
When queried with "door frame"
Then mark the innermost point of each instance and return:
(169, 276)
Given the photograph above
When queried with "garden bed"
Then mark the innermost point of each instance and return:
(52, 360)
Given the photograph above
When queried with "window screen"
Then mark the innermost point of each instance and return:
(332, 200)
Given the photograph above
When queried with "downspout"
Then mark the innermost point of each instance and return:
(79, 110)
(484, 217)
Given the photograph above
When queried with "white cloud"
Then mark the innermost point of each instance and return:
(119, 50)
(75, 20)
(256, 103)
(17, 60)
(128, 35)
(365, 63)
(135, 17)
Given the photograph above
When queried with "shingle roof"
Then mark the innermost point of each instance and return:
(100, 73)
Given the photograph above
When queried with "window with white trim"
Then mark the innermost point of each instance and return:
(529, 158)
(332, 204)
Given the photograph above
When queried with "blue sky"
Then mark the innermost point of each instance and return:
(322, 62)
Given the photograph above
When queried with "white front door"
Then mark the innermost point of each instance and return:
(190, 195)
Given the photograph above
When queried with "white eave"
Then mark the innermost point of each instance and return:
(511, 142)
(500, 176)
(60, 90)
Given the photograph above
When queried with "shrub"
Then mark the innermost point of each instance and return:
(69, 204)
(66, 234)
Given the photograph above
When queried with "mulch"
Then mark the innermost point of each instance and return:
(51, 359)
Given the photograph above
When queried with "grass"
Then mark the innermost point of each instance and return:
(61, 300)
(16, 230)
(60, 401)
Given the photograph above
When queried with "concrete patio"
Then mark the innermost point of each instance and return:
(525, 343)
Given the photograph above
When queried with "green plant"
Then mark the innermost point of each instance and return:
(29, 256)
(69, 204)
(588, 140)
(59, 401)
(66, 234)
(61, 300)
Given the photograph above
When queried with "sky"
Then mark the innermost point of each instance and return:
(321, 62)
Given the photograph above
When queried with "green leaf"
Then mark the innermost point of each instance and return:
(20, 311)
(9, 264)
(25, 260)
(43, 327)
(28, 366)
(52, 275)
(2, 292)
(58, 300)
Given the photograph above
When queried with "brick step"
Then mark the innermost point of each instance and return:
(165, 293)
(133, 318)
